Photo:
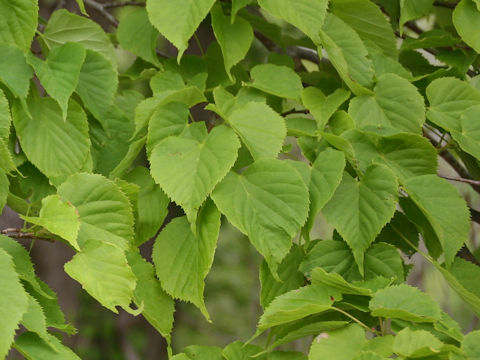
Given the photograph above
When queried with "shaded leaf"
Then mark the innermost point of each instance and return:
(15, 73)
(466, 18)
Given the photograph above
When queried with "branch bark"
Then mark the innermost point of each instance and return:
(19, 234)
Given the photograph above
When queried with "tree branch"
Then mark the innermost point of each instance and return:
(459, 179)
(19, 234)
(102, 11)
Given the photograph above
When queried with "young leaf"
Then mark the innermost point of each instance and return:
(405, 302)
(446, 211)
(33, 347)
(268, 202)
(158, 307)
(63, 26)
(360, 209)
(182, 260)
(326, 175)
(105, 212)
(297, 304)
(60, 218)
(449, 98)
(234, 38)
(263, 138)
(347, 54)
(323, 107)
(15, 73)
(18, 22)
(307, 15)
(178, 27)
(136, 34)
(277, 80)
(56, 147)
(103, 271)
(97, 84)
(369, 22)
(396, 103)
(466, 18)
(60, 71)
(341, 344)
(13, 301)
(188, 168)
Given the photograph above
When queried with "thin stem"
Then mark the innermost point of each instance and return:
(199, 44)
(102, 11)
(294, 111)
(354, 319)
(460, 179)
(426, 256)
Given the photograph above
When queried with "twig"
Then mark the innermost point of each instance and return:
(459, 179)
(117, 4)
(19, 234)
(102, 11)
(294, 111)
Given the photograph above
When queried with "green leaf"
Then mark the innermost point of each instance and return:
(5, 117)
(268, 202)
(307, 15)
(237, 5)
(34, 319)
(234, 38)
(168, 120)
(336, 281)
(416, 343)
(105, 212)
(360, 209)
(297, 304)
(158, 307)
(22, 262)
(407, 155)
(449, 98)
(177, 27)
(13, 302)
(446, 211)
(413, 9)
(136, 34)
(97, 84)
(204, 352)
(263, 138)
(241, 351)
(18, 22)
(288, 273)
(466, 18)
(56, 147)
(348, 54)
(277, 80)
(471, 344)
(467, 135)
(182, 260)
(326, 175)
(81, 6)
(58, 217)
(103, 271)
(15, 73)
(33, 347)
(369, 22)
(405, 302)
(323, 107)
(64, 26)
(152, 205)
(395, 103)
(59, 73)
(188, 168)
(461, 277)
(341, 344)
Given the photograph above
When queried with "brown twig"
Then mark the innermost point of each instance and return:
(460, 179)
(19, 234)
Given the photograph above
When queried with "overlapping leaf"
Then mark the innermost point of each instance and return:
(277, 80)
(182, 260)
(18, 22)
(188, 167)
(360, 209)
(268, 202)
(15, 73)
